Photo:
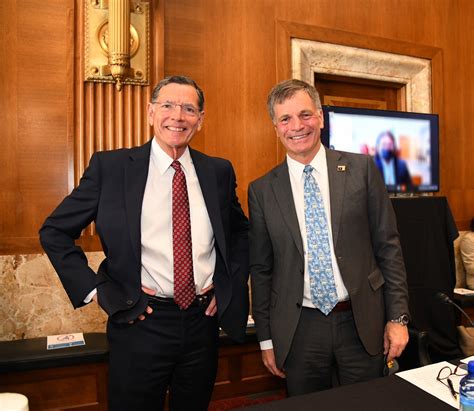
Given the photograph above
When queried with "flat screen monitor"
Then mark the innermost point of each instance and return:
(404, 146)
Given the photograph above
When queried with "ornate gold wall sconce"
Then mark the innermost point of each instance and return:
(117, 42)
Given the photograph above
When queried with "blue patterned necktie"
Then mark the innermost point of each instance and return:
(321, 278)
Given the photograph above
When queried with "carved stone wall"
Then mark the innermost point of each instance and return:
(33, 302)
(310, 57)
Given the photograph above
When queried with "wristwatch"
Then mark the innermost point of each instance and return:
(404, 319)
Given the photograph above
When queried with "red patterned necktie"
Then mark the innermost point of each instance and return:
(184, 289)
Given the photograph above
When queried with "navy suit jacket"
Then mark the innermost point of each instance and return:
(110, 193)
(402, 175)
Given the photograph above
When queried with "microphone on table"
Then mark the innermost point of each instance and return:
(446, 300)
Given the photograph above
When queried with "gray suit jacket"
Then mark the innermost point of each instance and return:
(366, 244)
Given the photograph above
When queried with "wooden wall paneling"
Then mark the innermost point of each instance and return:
(99, 126)
(88, 145)
(8, 118)
(226, 48)
(260, 153)
(109, 131)
(70, 93)
(224, 84)
(241, 372)
(38, 89)
(128, 116)
(224, 78)
(451, 146)
(76, 387)
(459, 108)
(370, 93)
(138, 114)
(79, 96)
(195, 33)
(84, 385)
(157, 58)
(35, 128)
(184, 47)
(119, 117)
(240, 71)
(438, 107)
(111, 120)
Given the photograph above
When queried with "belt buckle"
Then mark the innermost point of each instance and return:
(202, 299)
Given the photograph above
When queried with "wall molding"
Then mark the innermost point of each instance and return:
(287, 31)
(311, 57)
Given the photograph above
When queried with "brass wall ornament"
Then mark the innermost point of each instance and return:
(117, 42)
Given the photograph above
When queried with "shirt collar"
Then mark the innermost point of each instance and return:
(163, 160)
(319, 163)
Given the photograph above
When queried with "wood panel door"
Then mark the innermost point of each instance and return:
(361, 93)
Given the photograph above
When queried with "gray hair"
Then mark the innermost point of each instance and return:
(287, 89)
(178, 80)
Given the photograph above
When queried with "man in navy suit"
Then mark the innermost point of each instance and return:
(176, 253)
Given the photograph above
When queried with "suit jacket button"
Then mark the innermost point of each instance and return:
(129, 302)
(298, 305)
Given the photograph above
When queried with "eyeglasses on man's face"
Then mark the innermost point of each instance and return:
(170, 106)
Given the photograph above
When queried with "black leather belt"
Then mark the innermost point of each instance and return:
(342, 306)
(200, 300)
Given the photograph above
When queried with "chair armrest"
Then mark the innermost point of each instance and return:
(416, 352)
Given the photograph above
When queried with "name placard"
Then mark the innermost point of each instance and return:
(54, 342)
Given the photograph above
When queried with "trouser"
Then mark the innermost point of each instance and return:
(326, 348)
(171, 350)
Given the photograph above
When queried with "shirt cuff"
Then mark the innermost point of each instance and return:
(89, 296)
(266, 345)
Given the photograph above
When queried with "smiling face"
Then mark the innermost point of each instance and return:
(298, 124)
(175, 127)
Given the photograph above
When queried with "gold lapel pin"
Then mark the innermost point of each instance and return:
(341, 168)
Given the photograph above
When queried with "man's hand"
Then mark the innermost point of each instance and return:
(212, 307)
(148, 309)
(268, 358)
(395, 339)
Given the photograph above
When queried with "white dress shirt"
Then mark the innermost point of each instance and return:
(157, 229)
(320, 173)
(388, 171)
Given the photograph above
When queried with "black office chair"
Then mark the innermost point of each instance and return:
(415, 355)
(416, 352)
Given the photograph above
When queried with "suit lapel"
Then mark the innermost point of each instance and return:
(208, 182)
(337, 169)
(284, 196)
(136, 173)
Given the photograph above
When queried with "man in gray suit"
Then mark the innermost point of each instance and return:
(328, 280)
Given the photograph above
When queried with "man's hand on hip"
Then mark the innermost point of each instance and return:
(211, 309)
(148, 309)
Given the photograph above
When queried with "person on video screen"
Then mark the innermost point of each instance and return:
(394, 170)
